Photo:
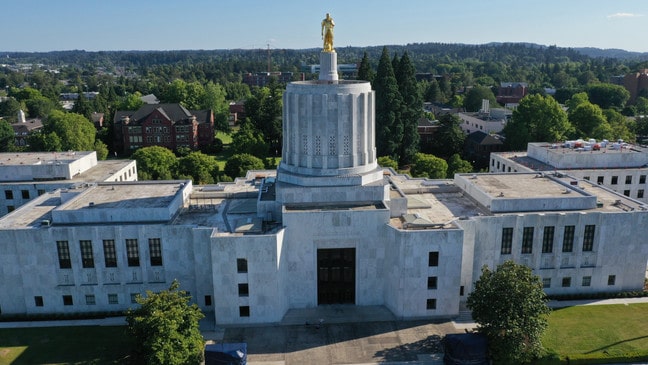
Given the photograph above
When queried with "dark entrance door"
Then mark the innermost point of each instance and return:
(336, 276)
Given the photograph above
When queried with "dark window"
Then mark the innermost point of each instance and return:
(63, 254)
(587, 281)
(629, 179)
(546, 282)
(38, 300)
(10, 208)
(611, 279)
(626, 192)
(113, 299)
(67, 300)
(568, 239)
(599, 180)
(133, 297)
(132, 251)
(433, 258)
(86, 254)
(110, 255)
(642, 179)
(243, 290)
(548, 239)
(640, 193)
(8, 194)
(431, 303)
(241, 265)
(155, 249)
(586, 178)
(90, 299)
(588, 237)
(461, 290)
(208, 301)
(41, 192)
(507, 240)
(25, 194)
(527, 240)
(566, 282)
(615, 180)
(432, 282)
(244, 311)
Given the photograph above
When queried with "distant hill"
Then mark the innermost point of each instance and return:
(612, 53)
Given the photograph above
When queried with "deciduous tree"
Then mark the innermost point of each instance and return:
(238, 165)
(75, 132)
(429, 166)
(7, 143)
(155, 163)
(202, 168)
(510, 308)
(537, 119)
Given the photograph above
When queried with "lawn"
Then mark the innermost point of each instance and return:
(64, 345)
(599, 333)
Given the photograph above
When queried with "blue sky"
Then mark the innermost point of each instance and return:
(94, 25)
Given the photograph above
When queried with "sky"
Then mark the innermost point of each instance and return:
(106, 25)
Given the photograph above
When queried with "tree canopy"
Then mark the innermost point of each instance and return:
(64, 131)
(429, 166)
(202, 168)
(155, 163)
(166, 329)
(238, 165)
(509, 306)
(6, 137)
(388, 105)
(411, 110)
(537, 119)
(473, 100)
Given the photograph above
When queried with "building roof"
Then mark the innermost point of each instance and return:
(482, 138)
(174, 112)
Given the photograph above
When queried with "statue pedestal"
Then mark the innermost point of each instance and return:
(328, 66)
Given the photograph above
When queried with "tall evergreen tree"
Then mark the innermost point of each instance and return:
(412, 109)
(365, 72)
(389, 133)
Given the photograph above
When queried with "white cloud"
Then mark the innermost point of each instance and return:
(624, 15)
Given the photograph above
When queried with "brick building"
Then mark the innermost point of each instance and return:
(637, 84)
(511, 92)
(166, 125)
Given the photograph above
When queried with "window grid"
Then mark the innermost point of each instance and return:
(241, 265)
(432, 282)
(110, 254)
(568, 239)
(113, 299)
(546, 283)
(25, 194)
(642, 179)
(588, 237)
(63, 250)
(155, 250)
(587, 281)
(507, 240)
(548, 239)
(431, 303)
(566, 282)
(615, 180)
(133, 298)
(90, 299)
(132, 252)
(433, 258)
(628, 179)
(611, 279)
(527, 240)
(87, 259)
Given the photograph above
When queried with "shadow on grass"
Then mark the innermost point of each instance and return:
(616, 343)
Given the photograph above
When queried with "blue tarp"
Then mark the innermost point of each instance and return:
(226, 354)
(465, 349)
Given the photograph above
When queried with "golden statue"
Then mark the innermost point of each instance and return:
(327, 33)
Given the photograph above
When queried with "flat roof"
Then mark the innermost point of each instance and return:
(124, 195)
(32, 158)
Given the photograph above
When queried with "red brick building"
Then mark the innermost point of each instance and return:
(511, 92)
(166, 125)
(636, 83)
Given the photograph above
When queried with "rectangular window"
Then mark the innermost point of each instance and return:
(433, 258)
(90, 299)
(132, 251)
(25, 194)
(67, 300)
(241, 265)
(432, 282)
(155, 250)
(243, 290)
(599, 180)
(626, 192)
(113, 299)
(566, 282)
(41, 192)
(208, 300)
(587, 281)
(507, 240)
(642, 179)
(628, 179)
(640, 194)
(548, 239)
(244, 311)
(527, 240)
(110, 255)
(8, 194)
(568, 239)
(588, 237)
(133, 298)
(86, 254)
(63, 254)
(461, 290)
(38, 300)
(611, 279)
(546, 283)
(615, 180)
(10, 208)
(586, 178)
(431, 303)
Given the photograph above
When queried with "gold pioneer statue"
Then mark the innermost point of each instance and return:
(327, 33)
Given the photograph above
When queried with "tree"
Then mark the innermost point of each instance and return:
(456, 165)
(101, 149)
(429, 166)
(537, 119)
(473, 100)
(365, 72)
(7, 143)
(238, 165)
(214, 99)
(389, 132)
(202, 168)
(165, 328)
(249, 140)
(75, 132)
(589, 122)
(386, 161)
(449, 138)
(264, 109)
(608, 95)
(155, 163)
(513, 326)
(411, 112)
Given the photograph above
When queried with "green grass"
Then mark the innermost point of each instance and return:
(598, 334)
(65, 345)
(225, 137)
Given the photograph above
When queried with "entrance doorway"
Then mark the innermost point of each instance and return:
(336, 276)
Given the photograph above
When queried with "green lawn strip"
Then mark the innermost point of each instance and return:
(598, 333)
(65, 345)
(225, 137)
